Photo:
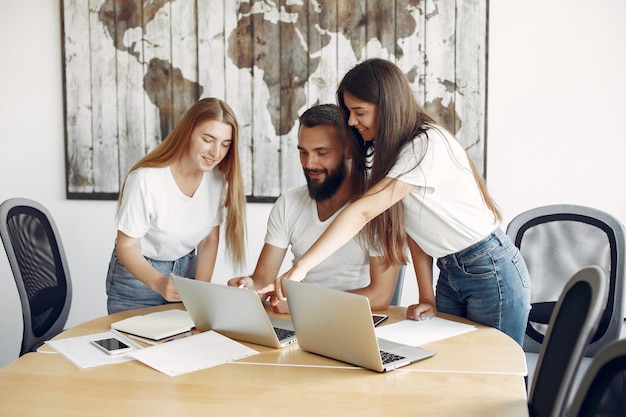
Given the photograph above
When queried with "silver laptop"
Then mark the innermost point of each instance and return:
(338, 325)
(234, 312)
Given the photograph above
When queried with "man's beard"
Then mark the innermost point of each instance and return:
(328, 188)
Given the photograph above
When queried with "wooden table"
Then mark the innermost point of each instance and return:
(479, 373)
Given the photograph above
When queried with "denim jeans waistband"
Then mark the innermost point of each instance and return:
(496, 238)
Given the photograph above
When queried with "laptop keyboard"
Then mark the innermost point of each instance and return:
(389, 357)
(283, 333)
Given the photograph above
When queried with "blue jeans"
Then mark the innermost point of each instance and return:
(488, 283)
(125, 292)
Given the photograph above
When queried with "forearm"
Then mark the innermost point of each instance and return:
(425, 284)
(381, 287)
(352, 219)
(347, 224)
(423, 265)
(266, 271)
(136, 264)
(268, 265)
(378, 299)
(206, 256)
(261, 281)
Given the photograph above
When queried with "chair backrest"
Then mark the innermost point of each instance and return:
(396, 298)
(556, 241)
(603, 387)
(37, 259)
(575, 319)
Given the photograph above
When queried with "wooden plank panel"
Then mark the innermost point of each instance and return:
(266, 100)
(78, 97)
(440, 74)
(352, 36)
(323, 46)
(471, 59)
(104, 105)
(212, 47)
(381, 30)
(131, 116)
(311, 32)
(292, 66)
(158, 70)
(352, 17)
(184, 58)
(294, 71)
(238, 79)
(129, 79)
(410, 15)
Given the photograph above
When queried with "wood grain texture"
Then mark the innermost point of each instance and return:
(133, 67)
(480, 373)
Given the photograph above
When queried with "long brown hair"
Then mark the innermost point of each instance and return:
(177, 143)
(400, 120)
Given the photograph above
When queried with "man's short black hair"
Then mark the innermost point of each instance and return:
(325, 114)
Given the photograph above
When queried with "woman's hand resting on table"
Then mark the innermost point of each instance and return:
(165, 286)
(421, 311)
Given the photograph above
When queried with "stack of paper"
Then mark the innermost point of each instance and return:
(180, 356)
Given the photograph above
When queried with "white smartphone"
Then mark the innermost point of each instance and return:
(112, 346)
(379, 318)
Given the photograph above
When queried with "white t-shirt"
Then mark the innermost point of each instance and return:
(445, 212)
(294, 221)
(169, 223)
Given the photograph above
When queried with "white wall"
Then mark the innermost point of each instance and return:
(556, 88)
(557, 82)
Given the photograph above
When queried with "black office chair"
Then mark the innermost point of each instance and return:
(603, 387)
(37, 259)
(396, 298)
(574, 320)
(556, 241)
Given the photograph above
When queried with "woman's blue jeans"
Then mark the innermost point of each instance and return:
(125, 292)
(488, 283)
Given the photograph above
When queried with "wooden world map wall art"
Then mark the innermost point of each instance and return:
(132, 68)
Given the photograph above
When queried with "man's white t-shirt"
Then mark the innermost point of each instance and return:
(294, 221)
(169, 223)
(445, 212)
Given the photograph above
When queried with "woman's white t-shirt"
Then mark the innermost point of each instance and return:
(169, 223)
(445, 212)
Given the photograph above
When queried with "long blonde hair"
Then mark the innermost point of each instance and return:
(177, 143)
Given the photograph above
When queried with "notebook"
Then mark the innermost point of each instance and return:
(338, 325)
(156, 326)
(234, 312)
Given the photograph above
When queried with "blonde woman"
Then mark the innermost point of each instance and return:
(171, 206)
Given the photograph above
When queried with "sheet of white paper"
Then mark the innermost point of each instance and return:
(417, 333)
(80, 352)
(192, 353)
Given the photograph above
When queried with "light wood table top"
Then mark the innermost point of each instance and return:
(475, 374)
